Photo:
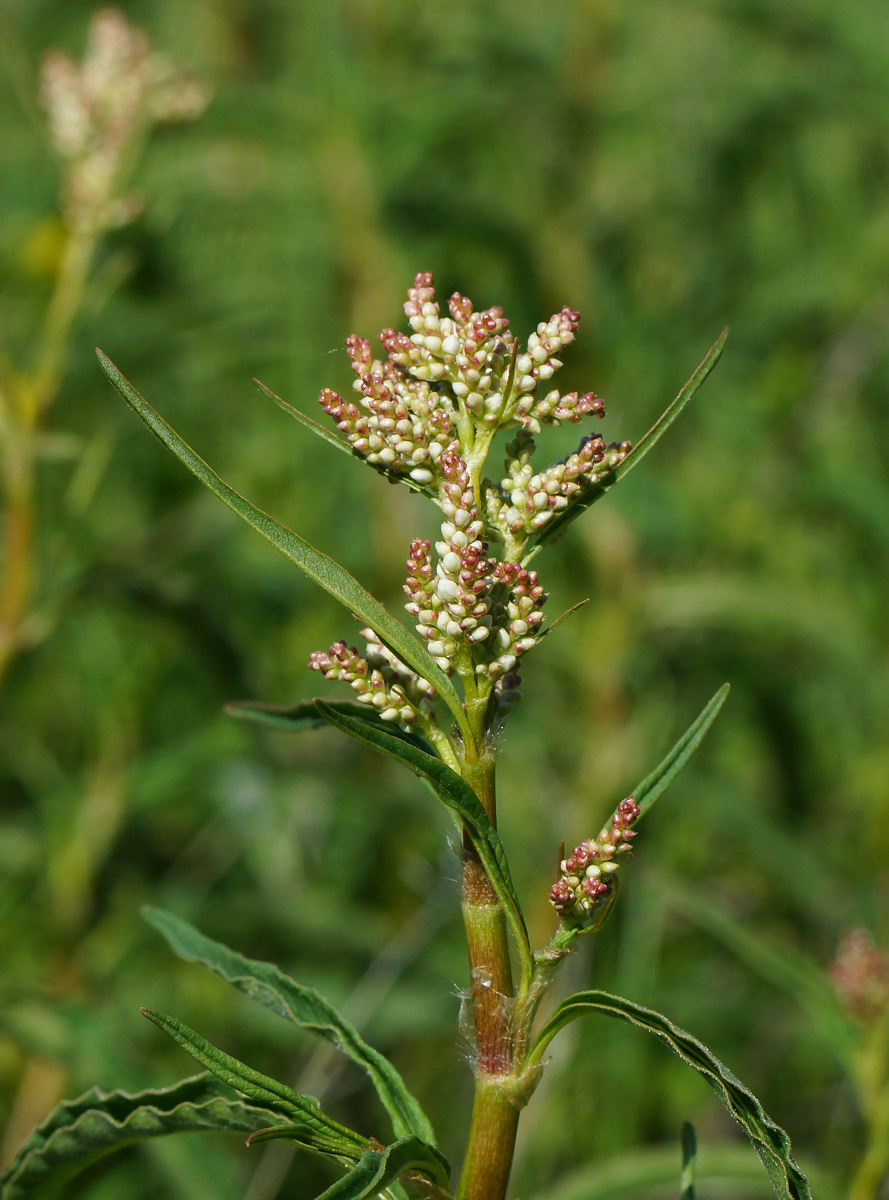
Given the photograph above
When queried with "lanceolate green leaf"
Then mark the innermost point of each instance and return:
(462, 800)
(379, 1169)
(654, 785)
(666, 419)
(305, 1007)
(311, 1126)
(80, 1131)
(689, 1162)
(297, 717)
(322, 431)
(554, 530)
(314, 563)
(771, 1142)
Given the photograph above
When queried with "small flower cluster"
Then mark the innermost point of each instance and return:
(526, 500)
(586, 878)
(401, 424)
(96, 110)
(453, 370)
(378, 678)
(860, 975)
(469, 598)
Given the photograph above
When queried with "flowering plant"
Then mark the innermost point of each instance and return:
(426, 416)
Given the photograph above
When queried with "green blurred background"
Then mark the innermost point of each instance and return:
(664, 167)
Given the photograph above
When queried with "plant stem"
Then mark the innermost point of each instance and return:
(495, 1117)
(873, 1092)
(29, 399)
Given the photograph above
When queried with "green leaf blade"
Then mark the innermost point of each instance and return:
(297, 717)
(666, 419)
(689, 1162)
(318, 566)
(314, 1127)
(656, 783)
(379, 1169)
(79, 1132)
(458, 796)
(304, 1007)
(769, 1140)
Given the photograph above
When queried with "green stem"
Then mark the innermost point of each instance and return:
(491, 1146)
(31, 397)
(494, 1121)
(873, 1092)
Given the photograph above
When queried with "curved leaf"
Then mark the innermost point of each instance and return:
(379, 1169)
(555, 529)
(305, 1007)
(81, 1131)
(770, 1141)
(311, 1126)
(462, 800)
(297, 717)
(314, 563)
(654, 785)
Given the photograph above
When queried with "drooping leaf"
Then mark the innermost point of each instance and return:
(554, 529)
(770, 1141)
(314, 563)
(654, 785)
(330, 437)
(689, 1162)
(462, 800)
(305, 1007)
(379, 1169)
(312, 1127)
(81, 1131)
(297, 717)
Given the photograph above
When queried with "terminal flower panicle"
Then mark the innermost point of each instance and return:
(457, 379)
(586, 877)
(427, 413)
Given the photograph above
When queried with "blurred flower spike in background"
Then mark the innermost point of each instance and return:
(98, 109)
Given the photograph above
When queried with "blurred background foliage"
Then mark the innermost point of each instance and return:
(665, 167)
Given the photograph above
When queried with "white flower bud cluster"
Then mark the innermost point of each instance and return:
(467, 351)
(527, 499)
(378, 678)
(95, 110)
(400, 425)
(586, 877)
(467, 598)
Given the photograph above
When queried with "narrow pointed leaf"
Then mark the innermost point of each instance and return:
(81, 1131)
(318, 566)
(689, 1162)
(462, 800)
(316, 1129)
(770, 1141)
(556, 528)
(323, 432)
(297, 717)
(666, 419)
(654, 785)
(379, 1169)
(305, 1007)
